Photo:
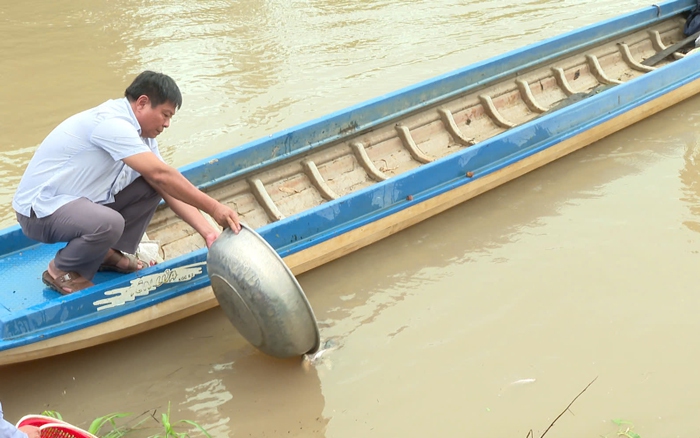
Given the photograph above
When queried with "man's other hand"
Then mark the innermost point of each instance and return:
(211, 237)
(31, 431)
(226, 217)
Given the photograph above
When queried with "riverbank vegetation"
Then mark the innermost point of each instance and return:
(107, 427)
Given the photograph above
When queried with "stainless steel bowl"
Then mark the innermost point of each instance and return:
(260, 295)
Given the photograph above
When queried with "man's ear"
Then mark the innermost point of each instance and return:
(142, 101)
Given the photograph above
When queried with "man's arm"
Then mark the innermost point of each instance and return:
(168, 181)
(192, 216)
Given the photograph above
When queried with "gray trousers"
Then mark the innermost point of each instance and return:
(92, 229)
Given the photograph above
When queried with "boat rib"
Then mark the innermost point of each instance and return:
(448, 121)
(366, 163)
(629, 59)
(317, 179)
(598, 71)
(562, 82)
(263, 197)
(410, 144)
(492, 112)
(528, 97)
(658, 44)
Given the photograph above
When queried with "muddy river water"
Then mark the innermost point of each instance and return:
(486, 320)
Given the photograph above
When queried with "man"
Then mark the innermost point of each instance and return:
(95, 182)
(8, 430)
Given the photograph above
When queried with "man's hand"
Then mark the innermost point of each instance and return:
(226, 217)
(31, 431)
(211, 237)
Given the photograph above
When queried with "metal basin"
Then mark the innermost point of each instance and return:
(260, 295)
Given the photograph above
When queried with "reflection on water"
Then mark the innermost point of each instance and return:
(486, 320)
(204, 400)
(690, 172)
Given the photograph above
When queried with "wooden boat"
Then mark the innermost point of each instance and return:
(326, 188)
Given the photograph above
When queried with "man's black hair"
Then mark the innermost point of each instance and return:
(159, 88)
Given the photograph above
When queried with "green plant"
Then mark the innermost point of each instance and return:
(52, 414)
(116, 432)
(99, 423)
(168, 427)
(120, 431)
(625, 429)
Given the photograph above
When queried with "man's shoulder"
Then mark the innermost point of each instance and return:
(113, 109)
(115, 123)
(111, 112)
(114, 115)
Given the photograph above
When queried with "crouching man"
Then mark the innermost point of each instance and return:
(96, 180)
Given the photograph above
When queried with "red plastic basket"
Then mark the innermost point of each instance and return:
(37, 420)
(53, 428)
(63, 430)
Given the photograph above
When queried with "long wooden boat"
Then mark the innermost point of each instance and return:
(326, 188)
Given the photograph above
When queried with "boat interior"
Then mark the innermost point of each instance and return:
(409, 141)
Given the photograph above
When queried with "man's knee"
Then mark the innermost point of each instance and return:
(81, 218)
(110, 227)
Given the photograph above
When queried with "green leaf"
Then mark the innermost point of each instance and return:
(97, 423)
(52, 414)
(192, 423)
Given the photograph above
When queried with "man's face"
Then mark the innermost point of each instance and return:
(153, 120)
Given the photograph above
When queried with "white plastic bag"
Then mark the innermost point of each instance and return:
(148, 251)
